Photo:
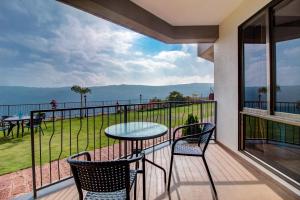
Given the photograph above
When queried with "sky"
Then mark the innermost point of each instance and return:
(49, 44)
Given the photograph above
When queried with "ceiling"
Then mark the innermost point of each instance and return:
(190, 12)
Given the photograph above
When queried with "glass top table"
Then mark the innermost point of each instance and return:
(16, 121)
(136, 131)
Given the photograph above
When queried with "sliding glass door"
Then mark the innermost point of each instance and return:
(270, 86)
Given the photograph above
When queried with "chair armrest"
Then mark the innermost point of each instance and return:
(84, 153)
(141, 156)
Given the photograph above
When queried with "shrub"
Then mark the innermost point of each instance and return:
(191, 130)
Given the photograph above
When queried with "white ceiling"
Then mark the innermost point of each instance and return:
(190, 12)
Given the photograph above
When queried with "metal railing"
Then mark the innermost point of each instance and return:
(288, 107)
(25, 109)
(68, 133)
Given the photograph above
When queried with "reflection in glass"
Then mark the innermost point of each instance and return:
(287, 52)
(275, 143)
(254, 54)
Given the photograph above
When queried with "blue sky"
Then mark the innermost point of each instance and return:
(49, 44)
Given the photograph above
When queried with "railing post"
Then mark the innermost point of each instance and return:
(170, 122)
(125, 114)
(216, 117)
(33, 156)
(8, 110)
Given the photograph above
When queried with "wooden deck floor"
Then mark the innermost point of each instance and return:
(234, 179)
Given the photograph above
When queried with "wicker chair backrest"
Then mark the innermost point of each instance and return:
(37, 120)
(207, 131)
(107, 176)
(42, 115)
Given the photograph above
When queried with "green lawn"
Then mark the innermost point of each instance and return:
(69, 136)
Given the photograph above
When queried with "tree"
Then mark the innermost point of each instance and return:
(155, 99)
(264, 90)
(82, 91)
(175, 96)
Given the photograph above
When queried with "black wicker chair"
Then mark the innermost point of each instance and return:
(4, 125)
(43, 118)
(201, 134)
(105, 179)
(37, 124)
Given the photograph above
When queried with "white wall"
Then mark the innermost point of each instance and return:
(226, 71)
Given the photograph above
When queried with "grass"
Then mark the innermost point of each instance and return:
(65, 137)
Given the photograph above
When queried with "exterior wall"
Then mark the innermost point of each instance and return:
(226, 71)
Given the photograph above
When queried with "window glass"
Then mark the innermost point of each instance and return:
(287, 56)
(254, 54)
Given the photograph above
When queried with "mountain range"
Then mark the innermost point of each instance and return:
(26, 95)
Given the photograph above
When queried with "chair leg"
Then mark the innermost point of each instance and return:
(210, 177)
(170, 172)
(45, 125)
(41, 130)
(144, 179)
(135, 190)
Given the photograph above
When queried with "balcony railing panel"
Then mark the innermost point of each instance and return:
(72, 130)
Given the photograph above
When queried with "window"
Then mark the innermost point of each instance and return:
(269, 71)
(254, 54)
(287, 56)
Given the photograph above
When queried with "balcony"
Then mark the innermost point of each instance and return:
(71, 130)
(234, 178)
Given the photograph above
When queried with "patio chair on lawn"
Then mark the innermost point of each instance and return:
(105, 179)
(4, 125)
(43, 117)
(37, 122)
(182, 146)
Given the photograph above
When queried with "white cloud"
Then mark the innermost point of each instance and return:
(138, 53)
(171, 56)
(92, 39)
(200, 60)
(78, 48)
(148, 65)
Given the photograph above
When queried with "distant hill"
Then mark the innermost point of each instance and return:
(22, 95)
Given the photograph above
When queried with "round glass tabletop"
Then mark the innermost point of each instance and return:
(136, 131)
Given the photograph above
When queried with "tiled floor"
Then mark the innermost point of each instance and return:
(234, 178)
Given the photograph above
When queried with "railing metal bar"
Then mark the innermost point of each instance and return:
(80, 127)
(108, 116)
(61, 144)
(100, 133)
(40, 149)
(94, 132)
(70, 134)
(87, 129)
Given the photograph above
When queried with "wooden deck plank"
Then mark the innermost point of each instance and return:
(234, 179)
